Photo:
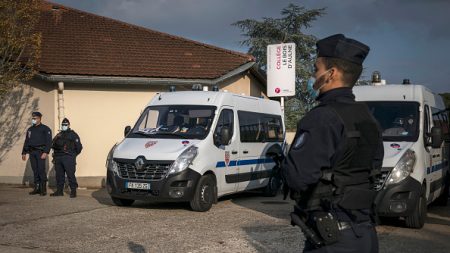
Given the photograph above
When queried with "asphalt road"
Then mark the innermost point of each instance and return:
(239, 223)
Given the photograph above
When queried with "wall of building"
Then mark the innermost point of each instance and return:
(15, 118)
(245, 84)
(99, 114)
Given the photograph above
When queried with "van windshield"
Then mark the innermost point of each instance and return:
(174, 122)
(399, 121)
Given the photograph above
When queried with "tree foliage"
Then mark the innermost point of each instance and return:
(286, 29)
(19, 42)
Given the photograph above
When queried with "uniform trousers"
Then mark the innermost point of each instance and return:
(38, 167)
(65, 165)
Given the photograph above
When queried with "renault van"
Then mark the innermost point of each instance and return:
(415, 130)
(197, 146)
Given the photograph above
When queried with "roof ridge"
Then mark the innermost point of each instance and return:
(242, 55)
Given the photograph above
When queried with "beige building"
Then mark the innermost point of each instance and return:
(100, 73)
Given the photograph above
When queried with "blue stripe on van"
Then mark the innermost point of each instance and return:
(436, 167)
(221, 164)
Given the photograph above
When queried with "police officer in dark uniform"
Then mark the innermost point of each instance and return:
(335, 154)
(37, 145)
(66, 146)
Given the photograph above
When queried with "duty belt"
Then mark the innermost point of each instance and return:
(40, 148)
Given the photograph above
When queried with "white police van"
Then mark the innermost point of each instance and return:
(197, 146)
(415, 129)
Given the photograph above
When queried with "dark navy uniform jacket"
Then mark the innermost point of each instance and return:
(67, 142)
(316, 141)
(38, 137)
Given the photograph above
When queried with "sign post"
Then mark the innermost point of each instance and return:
(281, 71)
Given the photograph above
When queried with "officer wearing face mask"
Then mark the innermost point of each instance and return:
(37, 145)
(66, 146)
(335, 154)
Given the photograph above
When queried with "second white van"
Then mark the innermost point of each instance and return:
(415, 129)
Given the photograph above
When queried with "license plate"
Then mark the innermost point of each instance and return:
(139, 186)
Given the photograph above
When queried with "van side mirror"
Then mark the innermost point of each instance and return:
(126, 131)
(436, 137)
(224, 136)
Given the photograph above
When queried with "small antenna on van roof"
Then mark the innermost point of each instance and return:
(197, 87)
(376, 78)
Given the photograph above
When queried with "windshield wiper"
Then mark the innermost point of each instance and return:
(142, 133)
(169, 133)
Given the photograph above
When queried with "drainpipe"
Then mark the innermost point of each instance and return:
(60, 103)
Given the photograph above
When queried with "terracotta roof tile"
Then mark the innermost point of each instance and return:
(80, 43)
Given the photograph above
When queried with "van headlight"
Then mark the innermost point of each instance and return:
(183, 160)
(110, 163)
(403, 168)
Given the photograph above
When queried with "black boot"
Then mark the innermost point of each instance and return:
(73, 193)
(58, 192)
(43, 188)
(36, 190)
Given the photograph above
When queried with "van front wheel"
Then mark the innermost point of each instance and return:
(273, 187)
(204, 194)
(417, 218)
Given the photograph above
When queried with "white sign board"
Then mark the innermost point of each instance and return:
(281, 70)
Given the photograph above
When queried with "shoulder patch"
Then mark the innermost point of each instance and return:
(300, 141)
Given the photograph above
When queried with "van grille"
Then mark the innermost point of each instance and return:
(381, 178)
(152, 170)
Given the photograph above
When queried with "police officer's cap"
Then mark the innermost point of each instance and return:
(338, 46)
(36, 114)
(65, 121)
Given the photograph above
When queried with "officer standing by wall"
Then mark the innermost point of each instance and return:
(335, 153)
(37, 145)
(66, 146)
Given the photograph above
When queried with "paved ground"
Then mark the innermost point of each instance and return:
(240, 223)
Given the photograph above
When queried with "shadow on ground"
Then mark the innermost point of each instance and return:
(273, 206)
(412, 244)
(102, 196)
(136, 248)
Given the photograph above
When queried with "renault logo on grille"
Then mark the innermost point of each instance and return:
(139, 164)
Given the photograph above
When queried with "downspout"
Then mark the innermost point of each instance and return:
(61, 114)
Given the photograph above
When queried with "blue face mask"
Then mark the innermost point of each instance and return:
(64, 127)
(310, 87)
(33, 122)
(312, 82)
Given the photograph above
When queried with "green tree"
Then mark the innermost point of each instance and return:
(19, 42)
(286, 29)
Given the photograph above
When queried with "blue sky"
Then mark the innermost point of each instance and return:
(408, 38)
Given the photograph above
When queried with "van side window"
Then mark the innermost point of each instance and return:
(440, 120)
(226, 119)
(260, 127)
(446, 128)
(426, 126)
